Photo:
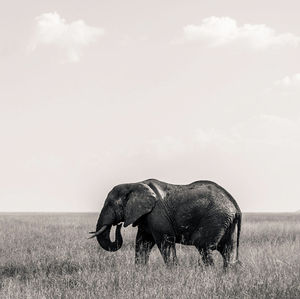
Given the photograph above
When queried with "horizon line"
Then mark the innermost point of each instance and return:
(90, 212)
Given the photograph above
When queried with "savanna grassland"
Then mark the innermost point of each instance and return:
(49, 256)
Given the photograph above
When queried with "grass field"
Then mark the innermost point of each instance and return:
(49, 256)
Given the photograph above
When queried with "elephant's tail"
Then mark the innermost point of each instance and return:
(238, 219)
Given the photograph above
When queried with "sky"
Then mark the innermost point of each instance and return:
(98, 93)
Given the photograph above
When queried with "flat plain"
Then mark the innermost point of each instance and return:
(49, 256)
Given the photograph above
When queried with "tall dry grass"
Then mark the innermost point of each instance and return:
(49, 256)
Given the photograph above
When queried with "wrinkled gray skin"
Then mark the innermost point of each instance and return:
(201, 214)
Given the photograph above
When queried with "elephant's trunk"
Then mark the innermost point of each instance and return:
(105, 242)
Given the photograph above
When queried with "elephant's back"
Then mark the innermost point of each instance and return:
(205, 186)
(201, 201)
(210, 185)
(207, 191)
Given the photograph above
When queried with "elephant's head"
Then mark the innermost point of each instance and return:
(124, 203)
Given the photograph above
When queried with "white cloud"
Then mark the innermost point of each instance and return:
(269, 130)
(289, 81)
(288, 87)
(52, 29)
(265, 132)
(218, 31)
(262, 131)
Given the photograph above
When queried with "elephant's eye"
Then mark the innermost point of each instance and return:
(119, 201)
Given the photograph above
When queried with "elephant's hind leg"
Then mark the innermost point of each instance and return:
(143, 245)
(206, 255)
(226, 247)
(226, 251)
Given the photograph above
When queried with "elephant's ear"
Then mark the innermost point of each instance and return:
(141, 201)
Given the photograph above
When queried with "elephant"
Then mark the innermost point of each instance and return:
(202, 214)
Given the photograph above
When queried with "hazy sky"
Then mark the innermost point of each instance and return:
(97, 93)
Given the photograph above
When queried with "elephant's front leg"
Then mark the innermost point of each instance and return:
(168, 250)
(143, 245)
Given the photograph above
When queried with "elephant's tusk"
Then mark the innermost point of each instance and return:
(100, 231)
